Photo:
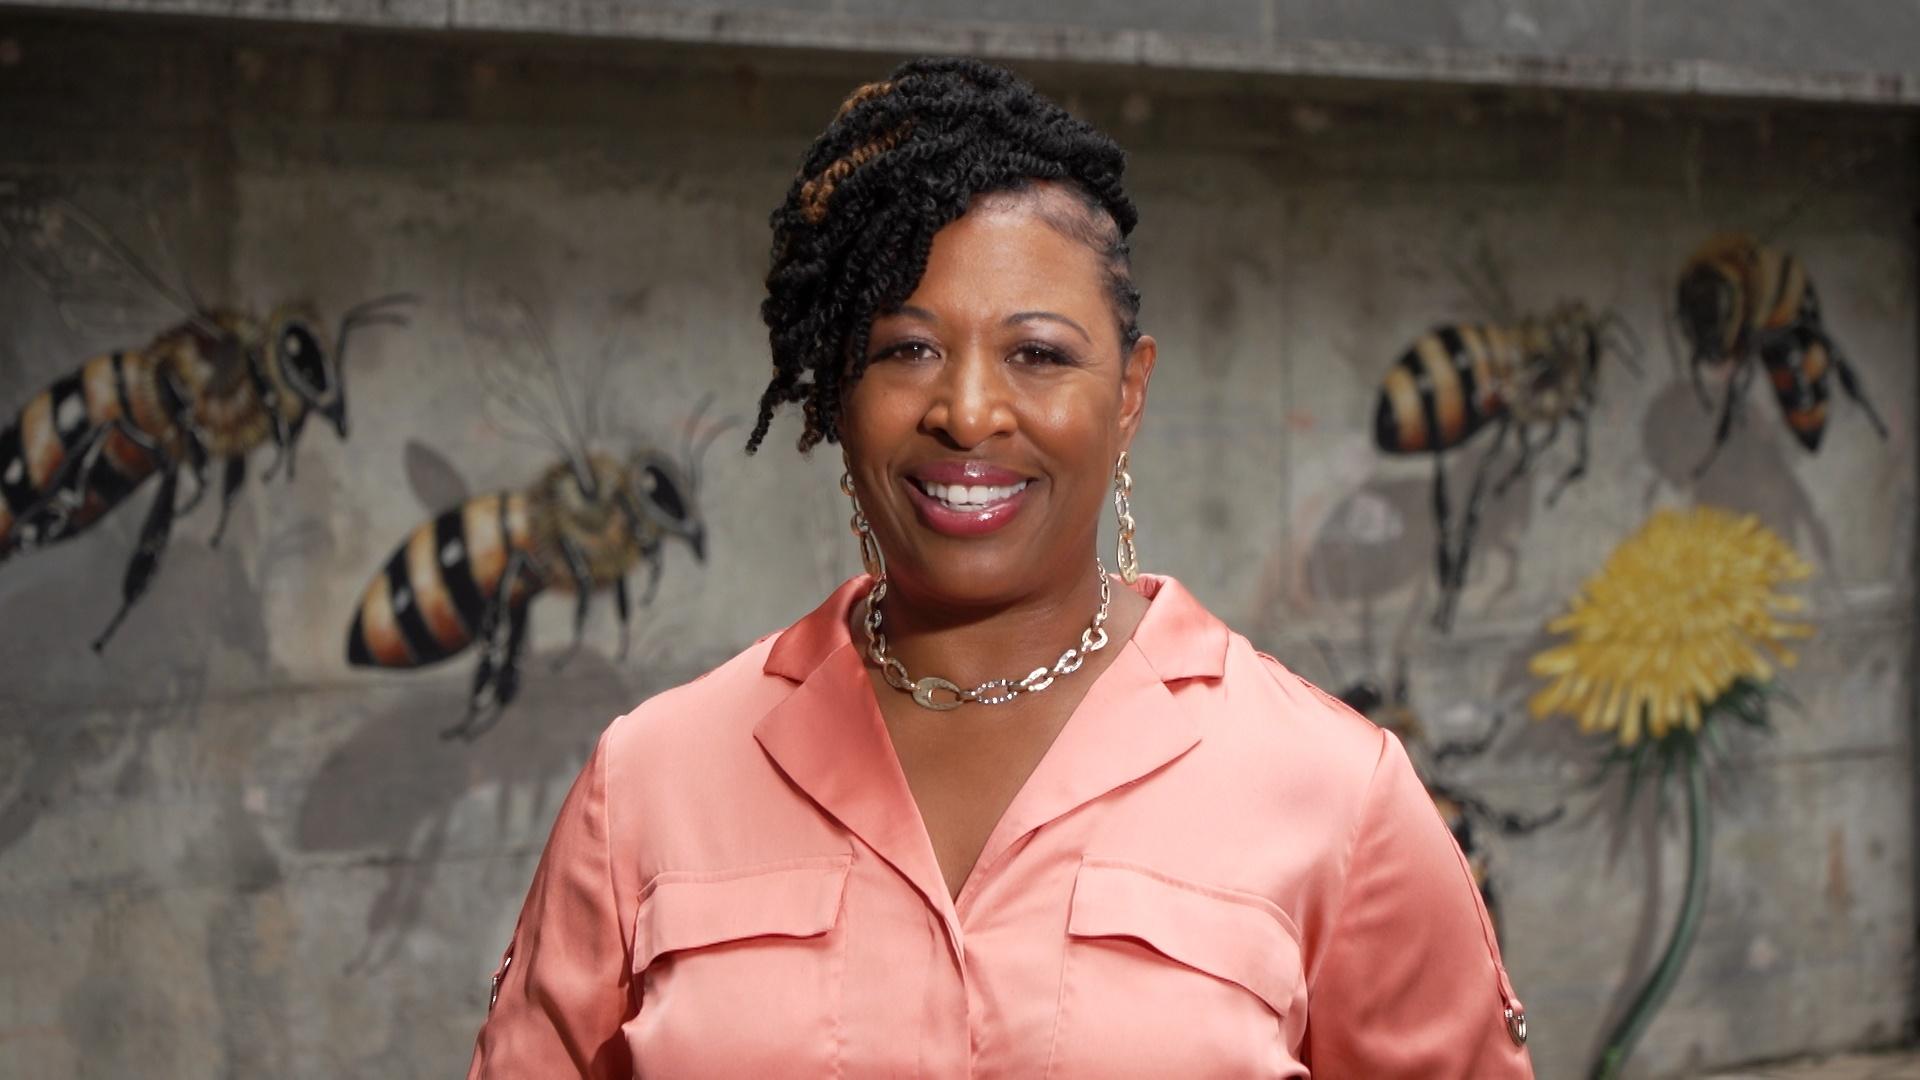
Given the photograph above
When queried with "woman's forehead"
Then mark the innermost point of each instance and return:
(1000, 254)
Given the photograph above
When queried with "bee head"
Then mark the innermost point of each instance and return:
(1711, 311)
(662, 497)
(304, 365)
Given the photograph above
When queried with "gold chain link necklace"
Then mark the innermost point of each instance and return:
(993, 691)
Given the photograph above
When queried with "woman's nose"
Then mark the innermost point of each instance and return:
(971, 403)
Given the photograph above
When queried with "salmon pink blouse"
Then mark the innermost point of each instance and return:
(1216, 870)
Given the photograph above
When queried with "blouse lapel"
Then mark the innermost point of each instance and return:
(829, 739)
(1132, 722)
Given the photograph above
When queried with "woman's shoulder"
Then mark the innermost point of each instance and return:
(719, 709)
(718, 705)
(1270, 707)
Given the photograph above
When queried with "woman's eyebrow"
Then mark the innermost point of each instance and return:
(1049, 316)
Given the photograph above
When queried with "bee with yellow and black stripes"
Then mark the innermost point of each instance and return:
(210, 389)
(1524, 377)
(468, 574)
(1740, 300)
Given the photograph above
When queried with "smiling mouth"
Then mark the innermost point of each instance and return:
(964, 498)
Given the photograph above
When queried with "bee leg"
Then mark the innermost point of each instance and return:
(47, 518)
(146, 557)
(1525, 462)
(493, 684)
(197, 469)
(1443, 611)
(507, 683)
(582, 575)
(285, 441)
(196, 446)
(487, 706)
(1469, 524)
(621, 609)
(285, 450)
(1723, 429)
(293, 443)
(1851, 384)
(230, 485)
(651, 553)
(1579, 469)
(269, 400)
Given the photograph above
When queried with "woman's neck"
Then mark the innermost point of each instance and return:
(969, 645)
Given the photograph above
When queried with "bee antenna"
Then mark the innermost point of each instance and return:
(697, 449)
(583, 475)
(691, 429)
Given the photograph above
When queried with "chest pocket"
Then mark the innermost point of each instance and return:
(740, 971)
(1166, 977)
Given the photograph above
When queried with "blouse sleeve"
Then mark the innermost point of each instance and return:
(1410, 983)
(564, 986)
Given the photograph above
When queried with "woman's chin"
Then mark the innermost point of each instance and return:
(971, 575)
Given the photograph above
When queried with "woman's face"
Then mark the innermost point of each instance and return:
(983, 433)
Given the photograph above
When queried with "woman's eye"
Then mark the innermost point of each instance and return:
(1042, 354)
(905, 350)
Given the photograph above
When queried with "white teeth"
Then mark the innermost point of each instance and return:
(963, 496)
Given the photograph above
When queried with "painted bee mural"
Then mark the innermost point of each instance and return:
(1526, 376)
(468, 575)
(1740, 300)
(1462, 810)
(208, 390)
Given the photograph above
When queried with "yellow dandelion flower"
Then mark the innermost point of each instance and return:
(1682, 610)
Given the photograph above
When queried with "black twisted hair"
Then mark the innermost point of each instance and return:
(902, 159)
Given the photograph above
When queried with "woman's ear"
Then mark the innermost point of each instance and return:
(1133, 386)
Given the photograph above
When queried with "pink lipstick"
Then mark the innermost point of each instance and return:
(967, 498)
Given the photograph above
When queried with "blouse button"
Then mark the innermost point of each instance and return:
(1517, 1027)
(507, 962)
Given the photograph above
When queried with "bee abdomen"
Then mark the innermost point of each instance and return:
(430, 600)
(1439, 392)
(1799, 367)
(53, 426)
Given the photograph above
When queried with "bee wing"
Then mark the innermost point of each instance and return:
(435, 480)
(1485, 282)
(527, 395)
(98, 285)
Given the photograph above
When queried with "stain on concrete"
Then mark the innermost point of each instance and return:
(1839, 891)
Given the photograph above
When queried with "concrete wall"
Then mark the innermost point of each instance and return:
(222, 852)
(1837, 50)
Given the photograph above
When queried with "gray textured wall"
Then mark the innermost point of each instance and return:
(1856, 50)
(224, 853)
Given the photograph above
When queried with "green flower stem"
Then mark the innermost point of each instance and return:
(1654, 994)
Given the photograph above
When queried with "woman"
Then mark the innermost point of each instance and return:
(988, 811)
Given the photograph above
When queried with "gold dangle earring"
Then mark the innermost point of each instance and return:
(869, 547)
(1123, 505)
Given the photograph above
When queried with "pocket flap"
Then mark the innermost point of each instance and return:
(691, 910)
(1239, 937)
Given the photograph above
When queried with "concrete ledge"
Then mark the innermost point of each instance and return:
(831, 30)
